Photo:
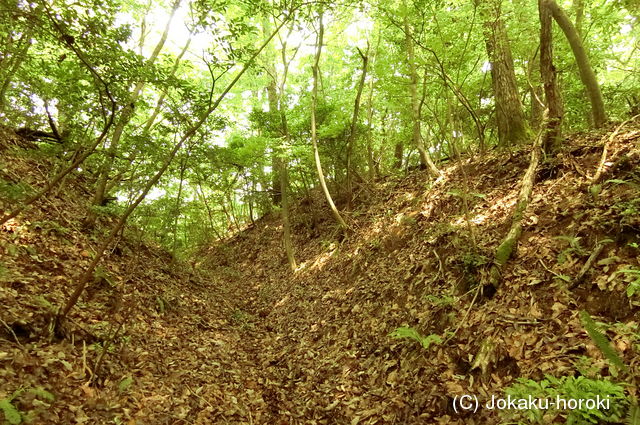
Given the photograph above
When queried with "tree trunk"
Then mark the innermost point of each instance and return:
(14, 63)
(125, 117)
(587, 76)
(554, 112)
(176, 213)
(314, 136)
(425, 158)
(512, 124)
(163, 96)
(354, 124)
(87, 275)
(276, 189)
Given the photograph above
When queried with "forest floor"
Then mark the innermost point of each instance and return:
(234, 337)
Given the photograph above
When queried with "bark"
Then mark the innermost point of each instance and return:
(554, 113)
(276, 187)
(314, 136)
(371, 167)
(286, 226)
(425, 158)
(354, 124)
(398, 155)
(512, 124)
(587, 76)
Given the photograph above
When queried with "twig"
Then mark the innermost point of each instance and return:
(559, 276)
(440, 268)
(596, 177)
(199, 396)
(464, 319)
(593, 257)
(12, 333)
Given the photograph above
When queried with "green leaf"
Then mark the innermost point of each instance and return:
(125, 384)
(42, 393)
(633, 416)
(410, 333)
(601, 341)
(11, 414)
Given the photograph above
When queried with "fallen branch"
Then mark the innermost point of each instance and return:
(598, 175)
(592, 258)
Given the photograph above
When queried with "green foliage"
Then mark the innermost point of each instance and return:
(620, 181)
(125, 384)
(569, 388)
(473, 260)
(51, 227)
(406, 332)
(634, 285)
(633, 415)
(574, 248)
(43, 394)
(14, 191)
(11, 413)
(440, 301)
(242, 319)
(601, 341)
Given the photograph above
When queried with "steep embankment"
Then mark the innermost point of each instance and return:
(320, 335)
(167, 332)
(239, 339)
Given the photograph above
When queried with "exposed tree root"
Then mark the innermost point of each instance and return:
(509, 243)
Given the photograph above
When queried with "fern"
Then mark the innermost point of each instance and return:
(406, 332)
(568, 388)
(633, 415)
(601, 341)
(634, 286)
(11, 414)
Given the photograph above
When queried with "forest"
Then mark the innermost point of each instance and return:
(319, 212)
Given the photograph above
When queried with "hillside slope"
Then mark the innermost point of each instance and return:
(323, 331)
(239, 339)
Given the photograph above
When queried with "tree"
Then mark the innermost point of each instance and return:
(314, 135)
(554, 112)
(425, 157)
(587, 76)
(512, 124)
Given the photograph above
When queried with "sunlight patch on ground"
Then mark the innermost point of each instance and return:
(490, 212)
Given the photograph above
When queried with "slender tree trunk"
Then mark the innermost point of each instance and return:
(554, 113)
(125, 117)
(204, 200)
(371, 168)
(276, 188)
(425, 158)
(15, 63)
(176, 213)
(512, 124)
(587, 76)
(314, 136)
(163, 96)
(286, 226)
(354, 125)
(280, 176)
(87, 275)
